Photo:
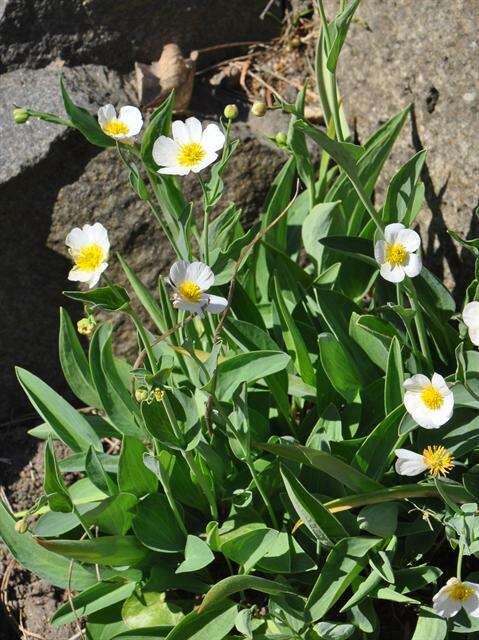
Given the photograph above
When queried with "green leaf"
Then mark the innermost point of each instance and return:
(97, 474)
(149, 608)
(343, 564)
(84, 121)
(213, 624)
(43, 563)
(248, 547)
(293, 339)
(75, 363)
(323, 220)
(355, 248)
(234, 584)
(159, 124)
(53, 485)
(67, 423)
(322, 524)
(325, 462)
(114, 551)
(393, 388)
(167, 538)
(95, 598)
(113, 515)
(197, 555)
(339, 28)
(246, 367)
(133, 476)
(334, 630)
(430, 626)
(401, 191)
(339, 366)
(110, 298)
(379, 519)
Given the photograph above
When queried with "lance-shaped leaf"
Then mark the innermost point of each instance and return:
(113, 551)
(234, 584)
(213, 624)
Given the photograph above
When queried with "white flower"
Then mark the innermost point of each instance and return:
(454, 595)
(396, 253)
(435, 458)
(89, 249)
(430, 402)
(470, 315)
(127, 124)
(190, 283)
(191, 148)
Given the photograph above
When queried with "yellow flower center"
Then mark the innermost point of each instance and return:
(432, 398)
(190, 154)
(190, 291)
(115, 128)
(438, 460)
(89, 258)
(396, 254)
(460, 592)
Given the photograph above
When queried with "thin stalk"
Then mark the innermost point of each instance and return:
(419, 320)
(80, 518)
(169, 496)
(144, 338)
(206, 216)
(459, 561)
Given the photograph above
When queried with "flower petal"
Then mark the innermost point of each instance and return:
(416, 383)
(195, 130)
(180, 132)
(133, 119)
(409, 463)
(392, 274)
(178, 272)
(213, 138)
(391, 231)
(201, 274)
(175, 170)
(165, 151)
(470, 314)
(474, 335)
(409, 239)
(413, 266)
(379, 251)
(105, 114)
(207, 160)
(216, 304)
(76, 239)
(445, 606)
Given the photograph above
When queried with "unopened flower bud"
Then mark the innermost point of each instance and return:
(231, 112)
(141, 394)
(258, 109)
(281, 139)
(20, 116)
(85, 326)
(159, 394)
(21, 526)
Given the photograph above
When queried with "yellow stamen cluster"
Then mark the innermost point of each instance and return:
(190, 291)
(158, 394)
(89, 258)
(190, 154)
(459, 591)
(396, 254)
(438, 460)
(115, 128)
(432, 397)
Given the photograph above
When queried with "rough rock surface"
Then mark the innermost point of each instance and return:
(402, 52)
(36, 32)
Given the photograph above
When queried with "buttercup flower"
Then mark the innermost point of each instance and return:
(434, 458)
(396, 253)
(454, 595)
(89, 249)
(190, 283)
(470, 316)
(190, 149)
(127, 124)
(430, 402)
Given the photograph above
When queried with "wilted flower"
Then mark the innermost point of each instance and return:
(434, 458)
(190, 283)
(470, 316)
(85, 326)
(454, 595)
(141, 394)
(89, 249)
(158, 394)
(396, 253)
(430, 402)
(190, 149)
(127, 124)
(258, 109)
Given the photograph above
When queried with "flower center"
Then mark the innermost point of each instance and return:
(432, 398)
(438, 460)
(460, 591)
(115, 128)
(396, 254)
(89, 258)
(190, 291)
(190, 154)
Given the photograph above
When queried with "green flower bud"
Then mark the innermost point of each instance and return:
(20, 116)
(141, 394)
(281, 138)
(231, 112)
(21, 526)
(258, 109)
(85, 326)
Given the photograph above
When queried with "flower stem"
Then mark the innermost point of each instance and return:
(459, 561)
(144, 338)
(169, 496)
(419, 320)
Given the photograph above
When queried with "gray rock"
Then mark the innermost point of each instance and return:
(35, 32)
